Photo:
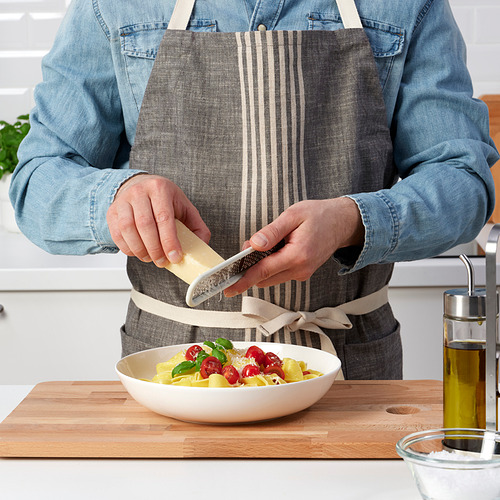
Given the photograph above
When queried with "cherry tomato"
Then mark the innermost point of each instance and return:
(272, 359)
(192, 352)
(256, 353)
(250, 371)
(231, 374)
(209, 366)
(275, 369)
(306, 373)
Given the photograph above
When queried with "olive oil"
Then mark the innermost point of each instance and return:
(464, 384)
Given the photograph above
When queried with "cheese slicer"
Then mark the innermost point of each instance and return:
(224, 275)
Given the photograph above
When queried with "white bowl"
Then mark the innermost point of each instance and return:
(230, 404)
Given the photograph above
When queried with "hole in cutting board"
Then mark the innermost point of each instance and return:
(402, 410)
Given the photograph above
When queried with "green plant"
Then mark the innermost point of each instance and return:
(10, 138)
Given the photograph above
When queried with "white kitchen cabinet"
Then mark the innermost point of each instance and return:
(61, 314)
(60, 335)
(420, 312)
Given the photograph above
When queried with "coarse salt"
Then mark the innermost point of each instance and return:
(451, 456)
(454, 483)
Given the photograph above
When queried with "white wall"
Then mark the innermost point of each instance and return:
(479, 21)
(27, 29)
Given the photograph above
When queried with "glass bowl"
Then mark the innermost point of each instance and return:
(454, 464)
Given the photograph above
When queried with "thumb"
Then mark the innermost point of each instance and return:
(270, 235)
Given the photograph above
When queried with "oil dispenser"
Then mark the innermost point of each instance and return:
(471, 349)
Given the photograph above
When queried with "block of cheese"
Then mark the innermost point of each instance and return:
(198, 256)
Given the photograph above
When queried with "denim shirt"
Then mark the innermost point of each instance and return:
(76, 155)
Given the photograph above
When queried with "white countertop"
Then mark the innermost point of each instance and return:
(24, 267)
(123, 479)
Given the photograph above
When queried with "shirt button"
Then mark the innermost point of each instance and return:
(261, 27)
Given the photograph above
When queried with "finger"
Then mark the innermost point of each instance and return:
(201, 230)
(146, 222)
(277, 279)
(122, 246)
(128, 230)
(187, 213)
(114, 231)
(166, 229)
(265, 270)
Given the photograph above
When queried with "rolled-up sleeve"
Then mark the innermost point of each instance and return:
(442, 151)
(76, 155)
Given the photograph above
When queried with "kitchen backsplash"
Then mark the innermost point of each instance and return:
(28, 27)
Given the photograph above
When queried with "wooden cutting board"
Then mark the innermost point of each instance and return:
(356, 419)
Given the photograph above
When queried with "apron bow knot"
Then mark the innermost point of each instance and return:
(274, 317)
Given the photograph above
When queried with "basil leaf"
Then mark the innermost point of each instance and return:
(183, 367)
(209, 344)
(199, 359)
(219, 355)
(225, 343)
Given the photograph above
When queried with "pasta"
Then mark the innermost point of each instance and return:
(219, 364)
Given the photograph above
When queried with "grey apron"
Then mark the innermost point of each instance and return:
(247, 124)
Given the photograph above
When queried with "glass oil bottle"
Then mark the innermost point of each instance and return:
(464, 351)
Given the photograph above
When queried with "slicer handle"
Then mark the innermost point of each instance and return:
(491, 328)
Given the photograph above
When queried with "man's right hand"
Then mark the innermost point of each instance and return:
(141, 219)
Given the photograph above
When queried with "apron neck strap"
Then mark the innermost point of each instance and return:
(181, 14)
(184, 8)
(349, 14)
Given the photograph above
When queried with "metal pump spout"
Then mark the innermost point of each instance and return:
(470, 273)
(492, 345)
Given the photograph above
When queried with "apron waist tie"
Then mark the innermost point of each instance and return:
(266, 317)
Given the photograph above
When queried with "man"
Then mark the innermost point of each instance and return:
(277, 121)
